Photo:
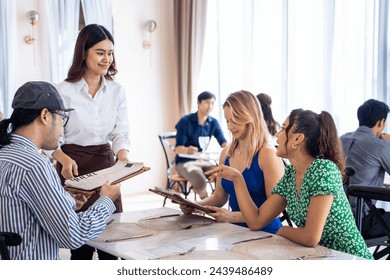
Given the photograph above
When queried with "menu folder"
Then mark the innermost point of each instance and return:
(177, 198)
(120, 172)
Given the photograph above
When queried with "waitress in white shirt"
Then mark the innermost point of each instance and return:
(98, 128)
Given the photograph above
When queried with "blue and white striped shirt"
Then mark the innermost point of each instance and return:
(35, 205)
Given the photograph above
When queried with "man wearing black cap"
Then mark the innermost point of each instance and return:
(32, 201)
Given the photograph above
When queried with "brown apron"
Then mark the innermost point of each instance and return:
(90, 159)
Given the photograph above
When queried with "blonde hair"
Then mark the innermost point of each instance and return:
(246, 111)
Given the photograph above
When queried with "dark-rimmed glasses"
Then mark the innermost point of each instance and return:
(63, 114)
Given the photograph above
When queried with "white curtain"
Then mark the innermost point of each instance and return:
(312, 54)
(61, 18)
(99, 12)
(7, 54)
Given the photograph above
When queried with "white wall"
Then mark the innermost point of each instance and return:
(149, 84)
(25, 68)
(148, 78)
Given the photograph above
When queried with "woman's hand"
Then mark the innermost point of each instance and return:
(187, 210)
(123, 155)
(223, 171)
(221, 215)
(69, 168)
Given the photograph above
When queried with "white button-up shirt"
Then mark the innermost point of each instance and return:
(96, 121)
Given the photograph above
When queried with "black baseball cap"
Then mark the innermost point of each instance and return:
(38, 95)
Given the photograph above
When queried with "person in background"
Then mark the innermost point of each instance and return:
(100, 116)
(251, 154)
(1, 115)
(311, 188)
(188, 130)
(33, 202)
(367, 151)
(272, 125)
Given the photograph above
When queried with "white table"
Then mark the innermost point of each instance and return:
(217, 236)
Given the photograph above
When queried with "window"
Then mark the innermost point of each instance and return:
(311, 54)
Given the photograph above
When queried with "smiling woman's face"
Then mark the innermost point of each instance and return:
(237, 130)
(99, 58)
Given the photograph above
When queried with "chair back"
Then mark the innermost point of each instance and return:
(168, 141)
(8, 239)
(369, 194)
(348, 173)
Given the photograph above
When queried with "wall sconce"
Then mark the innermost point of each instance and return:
(150, 26)
(32, 17)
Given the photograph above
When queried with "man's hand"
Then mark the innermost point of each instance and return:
(385, 136)
(111, 191)
(192, 150)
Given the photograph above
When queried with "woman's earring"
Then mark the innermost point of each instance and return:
(294, 146)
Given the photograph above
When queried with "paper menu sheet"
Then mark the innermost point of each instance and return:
(96, 179)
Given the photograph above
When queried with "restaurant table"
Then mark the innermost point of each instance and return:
(210, 239)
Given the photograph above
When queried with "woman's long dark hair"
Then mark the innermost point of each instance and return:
(321, 138)
(265, 102)
(89, 36)
(19, 118)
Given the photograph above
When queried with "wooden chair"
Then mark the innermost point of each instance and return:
(8, 239)
(168, 140)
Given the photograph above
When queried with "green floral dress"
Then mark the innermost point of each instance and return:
(322, 178)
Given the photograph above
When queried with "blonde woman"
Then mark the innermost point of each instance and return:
(251, 154)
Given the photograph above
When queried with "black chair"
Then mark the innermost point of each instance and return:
(348, 173)
(168, 140)
(286, 218)
(368, 195)
(8, 239)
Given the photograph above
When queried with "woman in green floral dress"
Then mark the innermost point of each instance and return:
(311, 188)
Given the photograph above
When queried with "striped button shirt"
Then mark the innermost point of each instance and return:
(35, 205)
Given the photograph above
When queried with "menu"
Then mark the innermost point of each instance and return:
(177, 198)
(121, 171)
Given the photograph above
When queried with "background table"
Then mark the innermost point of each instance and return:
(208, 156)
(217, 236)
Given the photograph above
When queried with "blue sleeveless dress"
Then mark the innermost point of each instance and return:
(254, 180)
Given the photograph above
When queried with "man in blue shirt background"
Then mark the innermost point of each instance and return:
(189, 128)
